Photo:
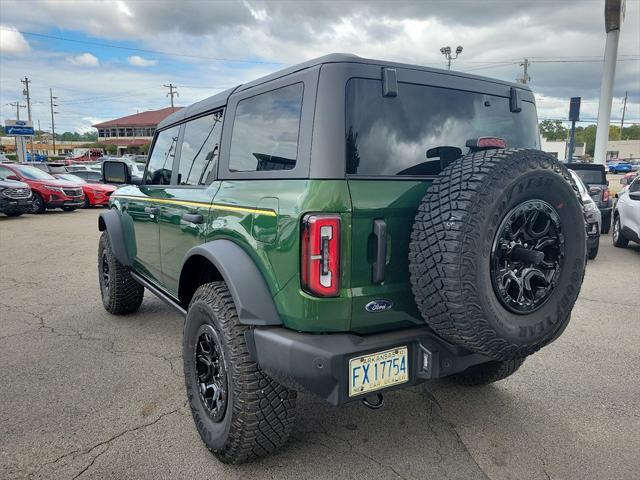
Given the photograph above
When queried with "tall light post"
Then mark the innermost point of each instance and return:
(613, 16)
(446, 51)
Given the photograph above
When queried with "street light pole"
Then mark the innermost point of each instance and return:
(613, 16)
(446, 51)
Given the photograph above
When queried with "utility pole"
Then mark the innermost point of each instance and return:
(525, 74)
(25, 92)
(18, 107)
(172, 92)
(624, 109)
(53, 122)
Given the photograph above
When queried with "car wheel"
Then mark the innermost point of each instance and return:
(38, 206)
(239, 411)
(487, 373)
(121, 294)
(592, 253)
(498, 252)
(87, 203)
(619, 239)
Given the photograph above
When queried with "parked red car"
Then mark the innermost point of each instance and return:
(48, 191)
(95, 194)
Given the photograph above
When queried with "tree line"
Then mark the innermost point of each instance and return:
(555, 130)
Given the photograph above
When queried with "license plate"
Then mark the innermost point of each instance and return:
(378, 370)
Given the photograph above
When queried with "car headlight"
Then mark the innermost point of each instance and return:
(54, 188)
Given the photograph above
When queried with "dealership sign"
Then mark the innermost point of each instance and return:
(18, 128)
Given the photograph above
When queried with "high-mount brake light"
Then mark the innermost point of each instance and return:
(485, 143)
(320, 255)
(605, 194)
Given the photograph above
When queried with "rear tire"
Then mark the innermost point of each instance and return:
(498, 252)
(248, 414)
(487, 373)
(606, 223)
(619, 239)
(593, 251)
(120, 293)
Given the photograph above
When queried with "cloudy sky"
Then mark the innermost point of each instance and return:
(105, 59)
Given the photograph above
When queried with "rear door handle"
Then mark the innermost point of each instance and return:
(151, 210)
(193, 218)
(380, 231)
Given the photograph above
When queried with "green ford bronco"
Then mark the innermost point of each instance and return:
(345, 227)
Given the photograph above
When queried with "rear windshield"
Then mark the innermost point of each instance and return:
(591, 177)
(391, 135)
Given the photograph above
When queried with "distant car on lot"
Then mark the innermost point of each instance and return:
(4, 158)
(15, 197)
(48, 191)
(90, 176)
(95, 194)
(620, 167)
(37, 157)
(592, 217)
(47, 166)
(626, 216)
(595, 178)
(625, 181)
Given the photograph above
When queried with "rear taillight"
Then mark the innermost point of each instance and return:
(605, 194)
(320, 255)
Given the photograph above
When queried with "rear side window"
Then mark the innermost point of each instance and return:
(392, 135)
(199, 152)
(265, 131)
(161, 160)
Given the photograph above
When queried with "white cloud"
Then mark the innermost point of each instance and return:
(138, 61)
(84, 60)
(12, 41)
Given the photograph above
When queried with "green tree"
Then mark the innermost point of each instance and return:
(614, 132)
(587, 135)
(553, 130)
(144, 148)
(631, 133)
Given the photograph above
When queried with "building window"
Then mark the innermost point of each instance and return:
(101, 132)
(612, 155)
(121, 132)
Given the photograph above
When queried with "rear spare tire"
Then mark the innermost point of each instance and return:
(498, 252)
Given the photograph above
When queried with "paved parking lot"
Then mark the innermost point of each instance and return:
(87, 395)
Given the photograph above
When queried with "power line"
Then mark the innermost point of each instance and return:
(143, 50)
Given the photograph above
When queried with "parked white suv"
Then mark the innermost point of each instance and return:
(626, 216)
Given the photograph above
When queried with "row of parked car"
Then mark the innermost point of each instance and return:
(35, 187)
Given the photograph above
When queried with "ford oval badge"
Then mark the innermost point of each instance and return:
(378, 305)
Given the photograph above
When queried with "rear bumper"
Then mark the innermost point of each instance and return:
(319, 363)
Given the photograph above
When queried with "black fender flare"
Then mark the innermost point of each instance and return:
(111, 221)
(251, 295)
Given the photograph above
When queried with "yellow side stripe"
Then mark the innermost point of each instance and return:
(214, 206)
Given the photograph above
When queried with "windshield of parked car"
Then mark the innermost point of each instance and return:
(391, 135)
(71, 178)
(33, 173)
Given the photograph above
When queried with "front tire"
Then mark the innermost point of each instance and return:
(120, 293)
(239, 411)
(38, 205)
(487, 373)
(592, 253)
(606, 223)
(619, 239)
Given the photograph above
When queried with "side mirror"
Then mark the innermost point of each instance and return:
(115, 171)
(13, 177)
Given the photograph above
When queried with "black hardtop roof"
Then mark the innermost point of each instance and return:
(220, 99)
(586, 166)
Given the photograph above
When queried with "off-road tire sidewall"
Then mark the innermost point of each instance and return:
(522, 329)
(124, 294)
(452, 248)
(260, 412)
(213, 434)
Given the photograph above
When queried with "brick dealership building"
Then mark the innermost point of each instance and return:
(130, 133)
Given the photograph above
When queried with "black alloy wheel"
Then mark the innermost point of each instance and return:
(527, 256)
(211, 373)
